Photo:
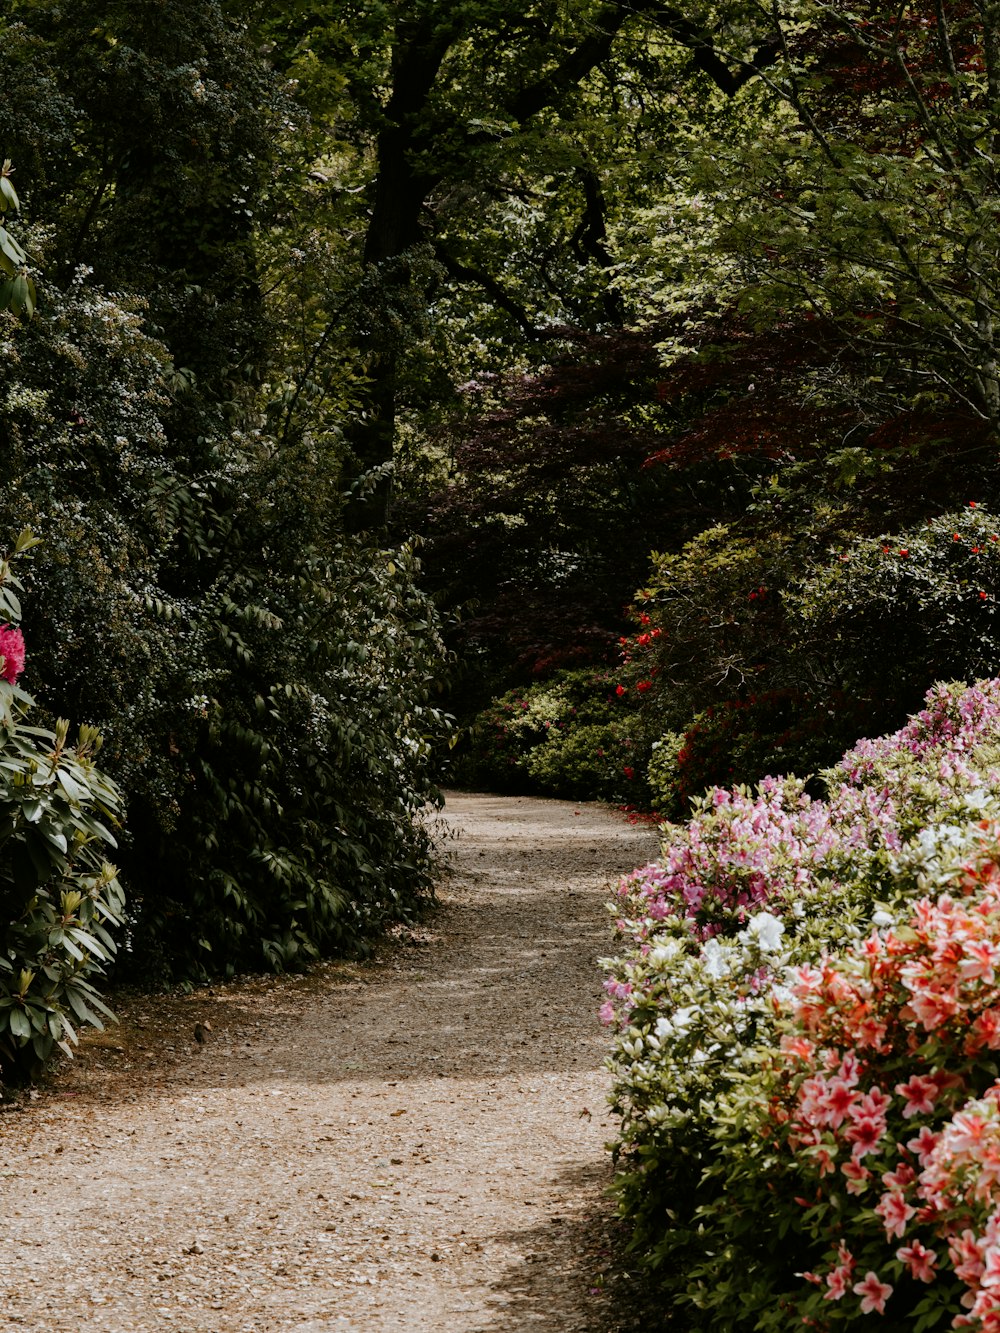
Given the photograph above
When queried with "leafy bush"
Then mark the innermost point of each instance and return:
(264, 687)
(740, 740)
(575, 735)
(59, 898)
(926, 596)
(768, 892)
(308, 761)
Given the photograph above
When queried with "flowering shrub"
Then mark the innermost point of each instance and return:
(777, 942)
(59, 898)
(885, 1090)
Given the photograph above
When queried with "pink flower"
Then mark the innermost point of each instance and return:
(991, 1271)
(919, 1261)
(857, 1176)
(836, 1282)
(11, 652)
(873, 1293)
(920, 1093)
(895, 1212)
(923, 1145)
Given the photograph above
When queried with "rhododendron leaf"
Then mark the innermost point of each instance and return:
(57, 838)
(18, 1023)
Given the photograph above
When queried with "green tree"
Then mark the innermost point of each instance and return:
(482, 149)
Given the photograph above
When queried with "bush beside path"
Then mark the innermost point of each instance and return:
(415, 1143)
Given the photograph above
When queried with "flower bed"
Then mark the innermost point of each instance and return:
(807, 1015)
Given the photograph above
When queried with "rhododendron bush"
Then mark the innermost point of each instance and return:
(59, 898)
(807, 1021)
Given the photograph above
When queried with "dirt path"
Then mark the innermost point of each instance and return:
(414, 1144)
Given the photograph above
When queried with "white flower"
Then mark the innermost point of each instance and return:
(714, 957)
(882, 919)
(767, 930)
(978, 799)
(683, 1018)
(665, 952)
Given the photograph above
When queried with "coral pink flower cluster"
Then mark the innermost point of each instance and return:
(12, 653)
(883, 1093)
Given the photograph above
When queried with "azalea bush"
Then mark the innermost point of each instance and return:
(883, 1113)
(751, 954)
(60, 900)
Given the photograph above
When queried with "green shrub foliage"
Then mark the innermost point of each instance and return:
(265, 686)
(60, 900)
(574, 735)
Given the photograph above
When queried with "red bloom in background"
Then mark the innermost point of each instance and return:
(12, 653)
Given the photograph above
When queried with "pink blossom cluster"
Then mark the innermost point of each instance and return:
(882, 1093)
(11, 653)
(744, 851)
(950, 722)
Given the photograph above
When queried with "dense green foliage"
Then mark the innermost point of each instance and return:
(667, 331)
(572, 735)
(809, 253)
(265, 684)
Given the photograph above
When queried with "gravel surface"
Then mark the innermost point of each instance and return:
(414, 1143)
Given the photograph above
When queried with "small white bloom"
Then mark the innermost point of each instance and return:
(664, 1028)
(882, 919)
(768, 931)
(978, 799)
(665, 952)
(683, 1018)
(714, 957)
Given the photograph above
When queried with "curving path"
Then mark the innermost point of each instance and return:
(413, 1144)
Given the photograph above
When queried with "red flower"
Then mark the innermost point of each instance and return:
(619, 690)
(11, 653)
(629, 772)
(643, 685)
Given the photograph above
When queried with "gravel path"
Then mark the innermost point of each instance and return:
(409, 1144)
